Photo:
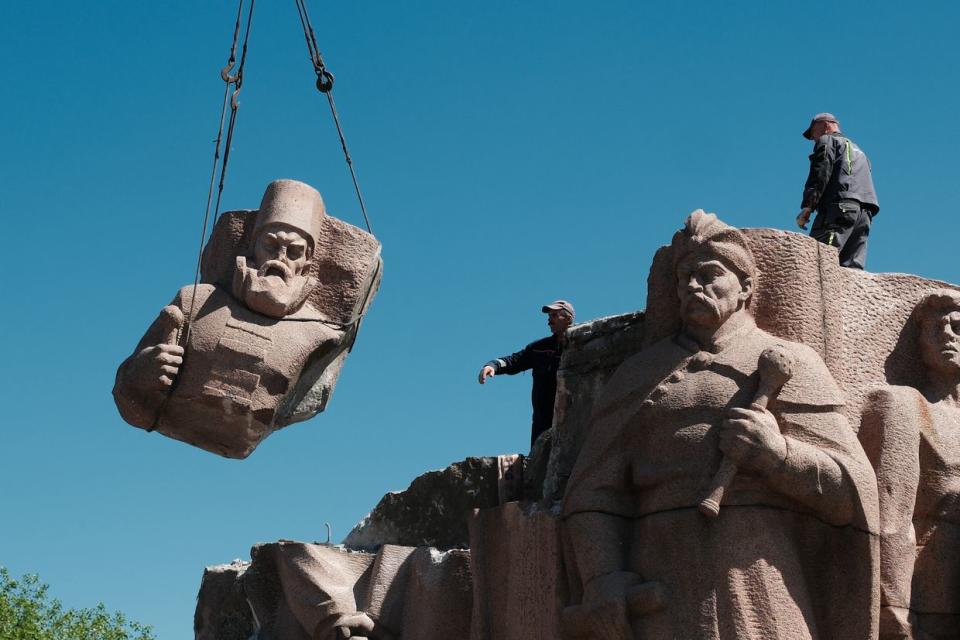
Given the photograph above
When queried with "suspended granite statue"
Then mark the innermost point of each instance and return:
(283, 291)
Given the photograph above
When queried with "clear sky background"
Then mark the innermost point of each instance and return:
(510, 153)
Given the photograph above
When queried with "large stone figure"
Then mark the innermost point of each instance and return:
(793, 553)
(912, 436)
(266, 340)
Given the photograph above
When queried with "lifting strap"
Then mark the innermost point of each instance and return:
(325, 86)
(235, 80)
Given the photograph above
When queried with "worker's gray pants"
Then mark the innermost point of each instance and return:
(845, 225)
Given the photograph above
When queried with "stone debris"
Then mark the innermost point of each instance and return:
(433, 511)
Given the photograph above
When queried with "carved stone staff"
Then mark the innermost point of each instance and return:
(775, 366)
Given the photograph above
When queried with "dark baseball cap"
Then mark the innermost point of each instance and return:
(559, 305)
(820, 117)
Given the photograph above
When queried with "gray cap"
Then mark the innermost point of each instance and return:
(820, 117)
(559, 305)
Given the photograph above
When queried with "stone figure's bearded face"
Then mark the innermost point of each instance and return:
(277, 284)
(940, 339)
(709, 290)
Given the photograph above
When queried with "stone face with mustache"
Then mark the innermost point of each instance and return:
(258, 354)
(275, 285)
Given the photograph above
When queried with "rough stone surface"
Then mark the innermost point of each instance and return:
(641, 433)
(433, 510)
(222, 611)
(912, 436)
(649, 561)
(278, 309)
(300, 591)
(853, 319)
(517, 559)
(594, 351)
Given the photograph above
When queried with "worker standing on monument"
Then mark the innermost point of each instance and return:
(840, 189)
(543, 357)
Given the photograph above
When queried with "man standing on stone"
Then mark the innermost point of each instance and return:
(912, 436)
(543, 357)
(840, 189)
(793, 551)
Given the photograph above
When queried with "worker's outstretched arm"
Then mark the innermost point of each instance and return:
(511, 364)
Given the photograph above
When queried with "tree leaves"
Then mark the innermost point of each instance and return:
(27, 612)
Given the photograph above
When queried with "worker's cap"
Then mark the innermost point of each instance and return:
(820, 117)
(560, 305)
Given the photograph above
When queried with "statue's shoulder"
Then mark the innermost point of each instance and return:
(184, 296)
(893, 407)
(891, 396)
(812, 383)
(645, 368)
(890, 425)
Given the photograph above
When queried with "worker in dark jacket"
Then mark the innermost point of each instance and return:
(543, 357)
(840, 189)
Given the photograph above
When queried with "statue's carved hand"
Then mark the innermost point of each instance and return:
(361, 626)
(157, 366)
(752, 439)
(604, 613)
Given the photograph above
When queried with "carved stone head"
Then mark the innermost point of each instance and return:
(715, 270)
(284, 238)
(938, 316)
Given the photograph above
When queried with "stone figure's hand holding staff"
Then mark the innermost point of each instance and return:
(157, 366)
(752, 431)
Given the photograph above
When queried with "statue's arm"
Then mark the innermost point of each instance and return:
(599, 542)
(812, 474)
(890, 435)
(820, 463)
(145, 378)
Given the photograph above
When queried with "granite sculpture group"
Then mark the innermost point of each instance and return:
(770, 450)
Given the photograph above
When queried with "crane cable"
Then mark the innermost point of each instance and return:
(325, 86)
(236, 81)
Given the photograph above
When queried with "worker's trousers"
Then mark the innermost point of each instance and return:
(845, 225)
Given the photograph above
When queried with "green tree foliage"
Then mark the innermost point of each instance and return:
(28, 613)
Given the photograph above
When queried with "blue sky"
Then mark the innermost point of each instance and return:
(510, 154)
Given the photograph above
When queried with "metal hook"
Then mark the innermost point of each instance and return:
(225, 72)
(329, 532)
(324, 81)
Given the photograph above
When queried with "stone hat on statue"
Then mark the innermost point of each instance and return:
(293, 204)
(705, 234)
